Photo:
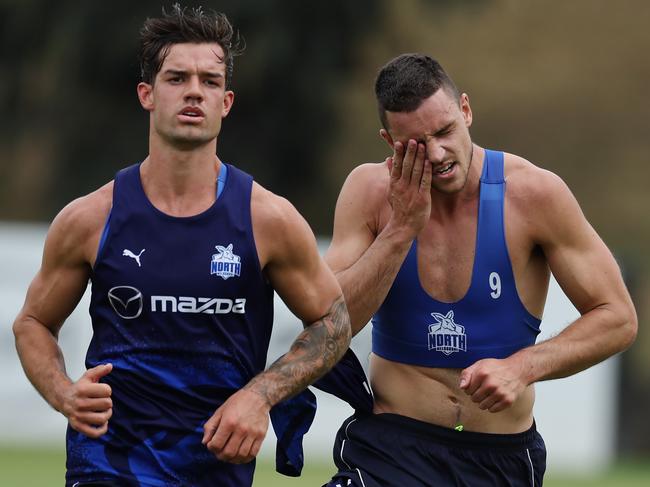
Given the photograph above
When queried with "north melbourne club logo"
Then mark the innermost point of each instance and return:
(446, 336)
(225, 263)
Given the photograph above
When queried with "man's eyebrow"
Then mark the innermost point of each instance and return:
(178, 72)
(175, 71)
(212, 74)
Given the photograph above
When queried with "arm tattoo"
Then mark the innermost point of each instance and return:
(316, 350)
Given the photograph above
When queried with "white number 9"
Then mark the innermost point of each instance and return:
(495, 285)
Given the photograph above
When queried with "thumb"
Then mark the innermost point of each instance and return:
(465, 378)
(210, 427)
(98, 372)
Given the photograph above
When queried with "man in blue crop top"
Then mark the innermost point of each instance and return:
(183, 252)
(448, 247)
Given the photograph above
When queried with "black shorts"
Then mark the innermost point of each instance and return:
(388, 450)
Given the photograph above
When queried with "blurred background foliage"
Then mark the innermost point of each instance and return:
(563, 84)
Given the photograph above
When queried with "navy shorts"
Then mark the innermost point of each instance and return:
(388, 450)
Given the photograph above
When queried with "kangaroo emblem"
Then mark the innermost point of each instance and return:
(225, 263)
(128, 253)
(445, 335)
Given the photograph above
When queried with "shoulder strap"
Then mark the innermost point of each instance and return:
(493, 167)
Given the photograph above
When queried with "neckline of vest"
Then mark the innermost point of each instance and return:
(216, 204)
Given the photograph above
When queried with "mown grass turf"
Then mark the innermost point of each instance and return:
(45, 467)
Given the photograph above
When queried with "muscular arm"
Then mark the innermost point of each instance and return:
(52, 296)
(310, 290)
(366, 263)
(315, 351)
(590, 277)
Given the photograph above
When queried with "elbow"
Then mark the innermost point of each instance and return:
(344, 338)
(348, 337)
(27, 326)
(629, 329)
(19, 328)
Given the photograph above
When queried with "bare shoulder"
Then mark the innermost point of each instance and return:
(269, 209)
(363, 198)
(531, 184)
(77, 228)
(539, 196)
(277, 226)
(370, 180)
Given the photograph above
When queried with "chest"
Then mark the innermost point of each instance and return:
(445, 254)
(183, 257)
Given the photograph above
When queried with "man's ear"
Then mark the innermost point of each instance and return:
(466, 109)
(383, 133)
(145, 95)
(228, 100)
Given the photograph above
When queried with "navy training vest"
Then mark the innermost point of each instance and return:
(490, 321)
(181, 309)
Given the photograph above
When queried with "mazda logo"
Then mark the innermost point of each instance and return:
(126, 301)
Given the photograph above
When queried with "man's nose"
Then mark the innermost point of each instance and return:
(194, 89)
(435, 152)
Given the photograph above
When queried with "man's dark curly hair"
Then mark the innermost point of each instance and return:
(186, 25)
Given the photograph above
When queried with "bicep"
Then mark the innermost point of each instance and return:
(579, 259)
(353, 225)
(61, 281)
(298, 273)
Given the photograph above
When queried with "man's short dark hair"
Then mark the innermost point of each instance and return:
(186, 25)
(406, 81)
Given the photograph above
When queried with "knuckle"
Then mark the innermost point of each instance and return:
(92, 432)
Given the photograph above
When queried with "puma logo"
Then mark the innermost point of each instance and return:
(128, 253)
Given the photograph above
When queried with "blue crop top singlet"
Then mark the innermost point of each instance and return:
(490, 321)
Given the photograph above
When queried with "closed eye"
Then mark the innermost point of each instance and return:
(446, 130)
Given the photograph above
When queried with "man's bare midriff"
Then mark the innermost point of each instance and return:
(432, 395)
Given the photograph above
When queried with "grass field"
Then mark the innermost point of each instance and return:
(22, 467)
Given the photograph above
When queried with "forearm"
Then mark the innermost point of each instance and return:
(316, 350)
(595, 336)
(42, 360)
(366, 283)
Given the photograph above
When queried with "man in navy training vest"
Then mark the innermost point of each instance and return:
(183, 252)
(454, 264)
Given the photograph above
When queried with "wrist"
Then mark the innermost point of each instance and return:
(398, 234)
(60, 392)
(258, 395)
(525, 364)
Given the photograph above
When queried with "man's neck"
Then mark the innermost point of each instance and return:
(180, 182)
